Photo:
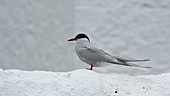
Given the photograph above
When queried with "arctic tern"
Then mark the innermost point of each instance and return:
(96, 57)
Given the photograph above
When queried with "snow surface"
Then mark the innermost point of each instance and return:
(81, 83)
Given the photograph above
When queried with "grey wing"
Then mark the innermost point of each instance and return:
(94, 55)
(121, 59)
(124, 61)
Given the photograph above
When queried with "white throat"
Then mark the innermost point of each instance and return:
(83, 40)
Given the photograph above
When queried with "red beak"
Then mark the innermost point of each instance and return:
(74, 39)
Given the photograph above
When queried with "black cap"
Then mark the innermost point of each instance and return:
(79, 36)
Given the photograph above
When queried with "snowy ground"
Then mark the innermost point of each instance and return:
(81, 83)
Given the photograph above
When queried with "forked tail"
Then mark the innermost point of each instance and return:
(134, 65)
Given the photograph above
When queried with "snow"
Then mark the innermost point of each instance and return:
(81, 82)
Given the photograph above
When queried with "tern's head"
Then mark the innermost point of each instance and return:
(80, 36)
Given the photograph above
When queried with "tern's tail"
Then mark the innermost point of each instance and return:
(134, 65)
(126, 62)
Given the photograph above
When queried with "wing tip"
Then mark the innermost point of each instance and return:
(146, 59)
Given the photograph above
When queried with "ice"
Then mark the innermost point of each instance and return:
(81, 82)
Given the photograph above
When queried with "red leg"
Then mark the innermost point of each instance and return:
(91, 68)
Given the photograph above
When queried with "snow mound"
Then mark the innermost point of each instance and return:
(81, 83)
